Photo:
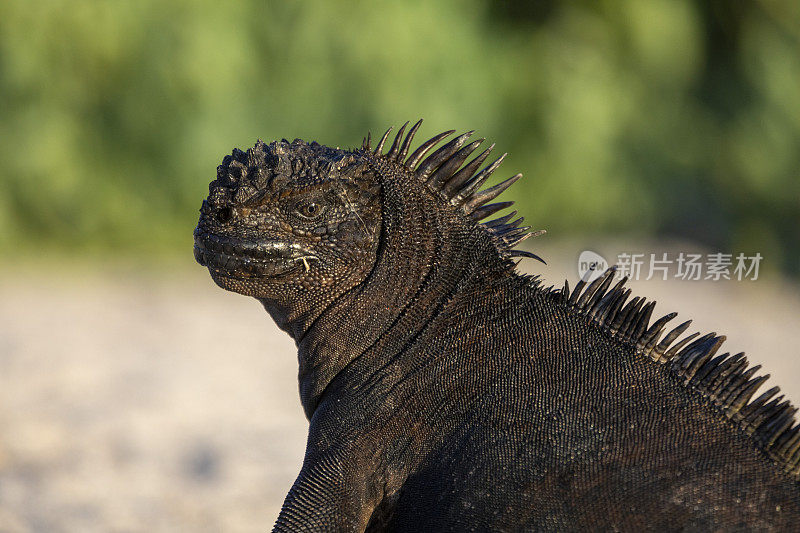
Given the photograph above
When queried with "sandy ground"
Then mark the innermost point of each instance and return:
(138, 402)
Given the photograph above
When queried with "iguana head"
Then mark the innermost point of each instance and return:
(289, 217)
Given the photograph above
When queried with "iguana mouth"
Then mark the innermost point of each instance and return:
(237, 258)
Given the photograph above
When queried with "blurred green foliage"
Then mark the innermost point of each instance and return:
(665, 117)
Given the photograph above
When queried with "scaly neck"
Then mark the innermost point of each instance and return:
(424, 253)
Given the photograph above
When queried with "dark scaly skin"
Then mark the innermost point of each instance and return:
(446, 392)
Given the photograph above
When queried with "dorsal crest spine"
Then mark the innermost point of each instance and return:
(445, 173)
(725, 380)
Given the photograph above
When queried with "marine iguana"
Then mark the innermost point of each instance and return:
(448, 392)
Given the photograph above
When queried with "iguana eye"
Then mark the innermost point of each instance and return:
(309, 210)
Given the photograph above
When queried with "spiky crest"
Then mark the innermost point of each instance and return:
(445, 173)
(725, 380)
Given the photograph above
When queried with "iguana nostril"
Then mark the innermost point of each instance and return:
(224, 214)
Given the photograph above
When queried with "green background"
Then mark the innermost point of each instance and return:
(655, 118)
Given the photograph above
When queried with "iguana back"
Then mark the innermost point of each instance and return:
(447, 392)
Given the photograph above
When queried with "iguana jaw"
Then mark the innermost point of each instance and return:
(236, 258)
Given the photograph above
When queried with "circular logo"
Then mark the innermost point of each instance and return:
(591, 265)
